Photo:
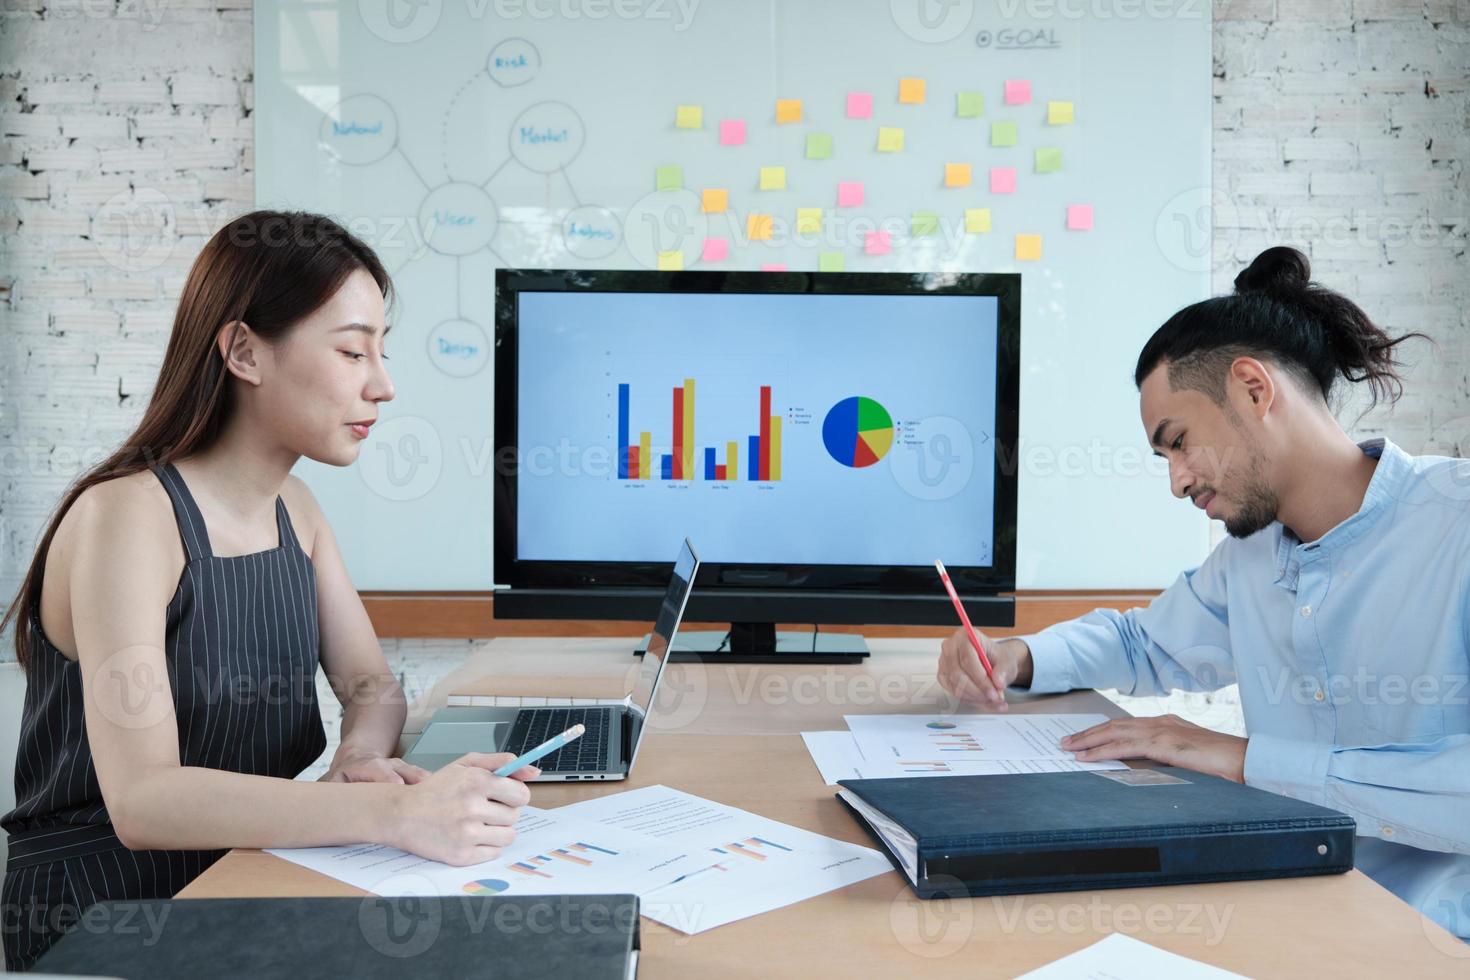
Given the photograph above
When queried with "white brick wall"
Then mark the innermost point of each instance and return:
(1340, 127)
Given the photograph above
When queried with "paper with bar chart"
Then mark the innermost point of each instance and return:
(767, 428)
(749, 864)
(553, 854)
(967, 745)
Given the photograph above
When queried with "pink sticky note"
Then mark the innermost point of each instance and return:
(732, 132)
(773, 267)
(1079, 217)
(850, 194)
(716, 250)
(1018, 91)
(859, 105)
(879, 243)
(1002, 180)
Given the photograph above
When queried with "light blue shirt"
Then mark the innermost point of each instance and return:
(1352, 654)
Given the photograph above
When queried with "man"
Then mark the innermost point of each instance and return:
(1340, 603)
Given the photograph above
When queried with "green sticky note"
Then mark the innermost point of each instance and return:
(924, 223)
(818, 146)
(670, 178)
(831, 262)
(969, 105)
(1003, 134)
(1048, 160)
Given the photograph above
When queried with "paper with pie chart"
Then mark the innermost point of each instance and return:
(551, 855)
(971, 744)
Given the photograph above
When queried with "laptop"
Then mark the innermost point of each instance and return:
(610, 745)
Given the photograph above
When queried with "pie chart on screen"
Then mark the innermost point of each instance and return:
(858, 431)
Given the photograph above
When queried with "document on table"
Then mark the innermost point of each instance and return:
(750, 864)
(553, 854)
(1120, 957)
(964, 745)
(837, 756)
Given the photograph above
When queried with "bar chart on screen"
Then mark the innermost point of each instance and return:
(687, 459)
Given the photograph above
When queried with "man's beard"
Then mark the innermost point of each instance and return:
(1258, 504)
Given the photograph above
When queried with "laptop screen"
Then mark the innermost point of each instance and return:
(662, 638)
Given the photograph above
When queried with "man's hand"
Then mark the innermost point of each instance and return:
(962, 674)
(1168, 739)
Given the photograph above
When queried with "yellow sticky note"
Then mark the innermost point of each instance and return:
(1059, 113)
(890, 139)
(758, 227)
(808, 221)
(773, 178)
(1028, 248)
(977, 221)
(911, 91)
(831, 262)
(689, 117)
(670, 261)
(956, 175)
(714, 200)
(788, 110)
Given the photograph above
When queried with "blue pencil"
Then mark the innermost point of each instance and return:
(545, 748)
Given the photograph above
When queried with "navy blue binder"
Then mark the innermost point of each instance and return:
(1074, 831)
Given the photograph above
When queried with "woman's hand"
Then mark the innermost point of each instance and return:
(462, 814)
(373, 769)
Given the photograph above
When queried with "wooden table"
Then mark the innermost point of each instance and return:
(730, 733)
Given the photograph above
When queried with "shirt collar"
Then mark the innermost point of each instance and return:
(1389, 478)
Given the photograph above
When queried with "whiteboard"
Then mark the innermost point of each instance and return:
(458, 136)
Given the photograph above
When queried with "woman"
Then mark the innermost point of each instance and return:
(184, 593)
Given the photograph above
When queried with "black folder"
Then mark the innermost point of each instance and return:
(539, 937)
(1074, 831)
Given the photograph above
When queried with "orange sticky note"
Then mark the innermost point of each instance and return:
(758, 227)
(956, 175)
(788, 110)
(714, 200)
(1028, 248)
(911, 91)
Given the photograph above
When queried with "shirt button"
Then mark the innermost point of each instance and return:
(1319, 695)
(1306, 610)
(1386, 831)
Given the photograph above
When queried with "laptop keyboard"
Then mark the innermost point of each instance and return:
(586, 754)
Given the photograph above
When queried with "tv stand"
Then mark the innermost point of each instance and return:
(760, 643)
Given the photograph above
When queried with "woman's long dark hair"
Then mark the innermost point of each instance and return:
(268, 269)
(1276, 312)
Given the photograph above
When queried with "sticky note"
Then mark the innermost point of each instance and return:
(911, 91)
(773, 266)
(1002, 180)
(818, 146)
(850, 194)
(1018, 92)
(956, 175)
(977, 221)
(670, 261)
(808, 221)
(1048, 160)
(758, 227)
(1028, 248)
(969, 105)
(732, 132)
(1059, 113)
(669, 178)
(773, 178)
(1002, 134)
(788, 110)
(924, 223)
(714, 200)
(1079, 217)
(890, 139)
(878, 243)
(689, 117)
(859, 105)
(831, 262)
(715, 250)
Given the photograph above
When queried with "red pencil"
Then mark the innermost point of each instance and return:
(959, 607)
